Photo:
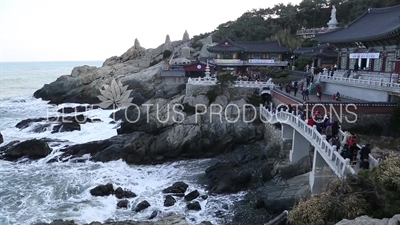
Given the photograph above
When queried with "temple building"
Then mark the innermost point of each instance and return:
(323, 55)
(372, 41)
(239, 56)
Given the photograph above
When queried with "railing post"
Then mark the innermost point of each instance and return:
(314, 129)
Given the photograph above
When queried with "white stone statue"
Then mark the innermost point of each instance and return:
(333, 13)
(333, 23)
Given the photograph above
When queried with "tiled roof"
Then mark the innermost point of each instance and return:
(374, 24)
(320, 50)
(227, 45)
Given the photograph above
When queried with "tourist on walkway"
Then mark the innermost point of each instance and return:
(364, 156)
(335, 128)
(319, 93)
(356, 67)
(353, 149)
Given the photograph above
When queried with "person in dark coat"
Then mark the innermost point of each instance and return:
(335, 128)
(364, 156)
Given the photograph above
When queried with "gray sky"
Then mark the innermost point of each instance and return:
(74, 30)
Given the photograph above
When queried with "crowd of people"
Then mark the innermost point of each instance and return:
(330, 128)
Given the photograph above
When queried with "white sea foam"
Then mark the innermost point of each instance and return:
(37, 191)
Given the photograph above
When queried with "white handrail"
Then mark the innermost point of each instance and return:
(336, 162)
(367, 83)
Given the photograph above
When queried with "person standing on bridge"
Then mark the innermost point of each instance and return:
(364, 156)
(319, 93)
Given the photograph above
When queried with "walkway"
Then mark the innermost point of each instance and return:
(324, 98)
(340, 166)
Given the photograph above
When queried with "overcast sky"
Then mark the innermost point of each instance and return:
(75, 30)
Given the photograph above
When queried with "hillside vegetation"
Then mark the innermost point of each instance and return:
(375, 193)
(282, 21)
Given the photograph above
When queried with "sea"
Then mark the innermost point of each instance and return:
(37, 191)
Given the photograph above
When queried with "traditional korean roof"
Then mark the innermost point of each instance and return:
(375, 24)
(227, 45)
(320, 50)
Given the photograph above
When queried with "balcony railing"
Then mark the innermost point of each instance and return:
(379, 85)
(250, 62)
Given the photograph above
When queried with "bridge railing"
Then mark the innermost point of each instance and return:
(202, 81)
(367, 83)
(328, 152)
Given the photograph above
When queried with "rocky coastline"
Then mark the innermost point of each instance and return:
(246, 156)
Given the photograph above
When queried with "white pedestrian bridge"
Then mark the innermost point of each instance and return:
(326, 156)
(265, 87)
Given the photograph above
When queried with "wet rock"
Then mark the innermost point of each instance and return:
(205, 223)
(1, 138)
(204, 197)
(192, 195)
(142, 206)
(153, 215)
(66, 127)
(266, 172)
(123, 204)
(120, 193)
(102, 190)
(32, 149)
(194, 206)
(228, 177)
(169, 201)
(178, 187)
(77, 109)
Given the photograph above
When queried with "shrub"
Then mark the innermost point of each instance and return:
(372, 192)
(226, 78)
(211, 95)
(197, 45)
(188, 109)
(255, 99)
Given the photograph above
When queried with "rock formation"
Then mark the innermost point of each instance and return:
(1, 138)
(185, 52)
(204, 53)
(132, 68)
(169, 135)
(186, 36)
(366, 220)
(168, 45)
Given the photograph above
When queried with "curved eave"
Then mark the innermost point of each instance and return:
(269, 52)
(370, 38)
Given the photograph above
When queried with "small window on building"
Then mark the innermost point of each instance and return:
(257, 56)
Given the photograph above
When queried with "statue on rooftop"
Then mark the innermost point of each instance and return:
(333, 23)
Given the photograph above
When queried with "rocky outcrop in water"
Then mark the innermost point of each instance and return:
(170, 220)
(1, 138)
(31, 149)
(164, 133)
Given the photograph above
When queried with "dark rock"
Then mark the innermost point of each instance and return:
(58, 222)
(290, 170)
(123, 204)
(194, 206)
(153, 215)
(120, 193)
(178, 194)
(33, 149)
(142, 206)
(76, 119)
(178, 187)
(1, 138)
(66, 127)
(77, 109)
(169, 201)
(102, 190)
(192, 195)
(228, 177)
(204, 197)
(205, 223)
(266, 172)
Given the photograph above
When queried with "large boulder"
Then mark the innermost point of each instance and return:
(163, 132)
(366, 220)
(1, 138)
(32, 149)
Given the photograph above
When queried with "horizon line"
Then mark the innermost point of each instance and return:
(52, 61)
